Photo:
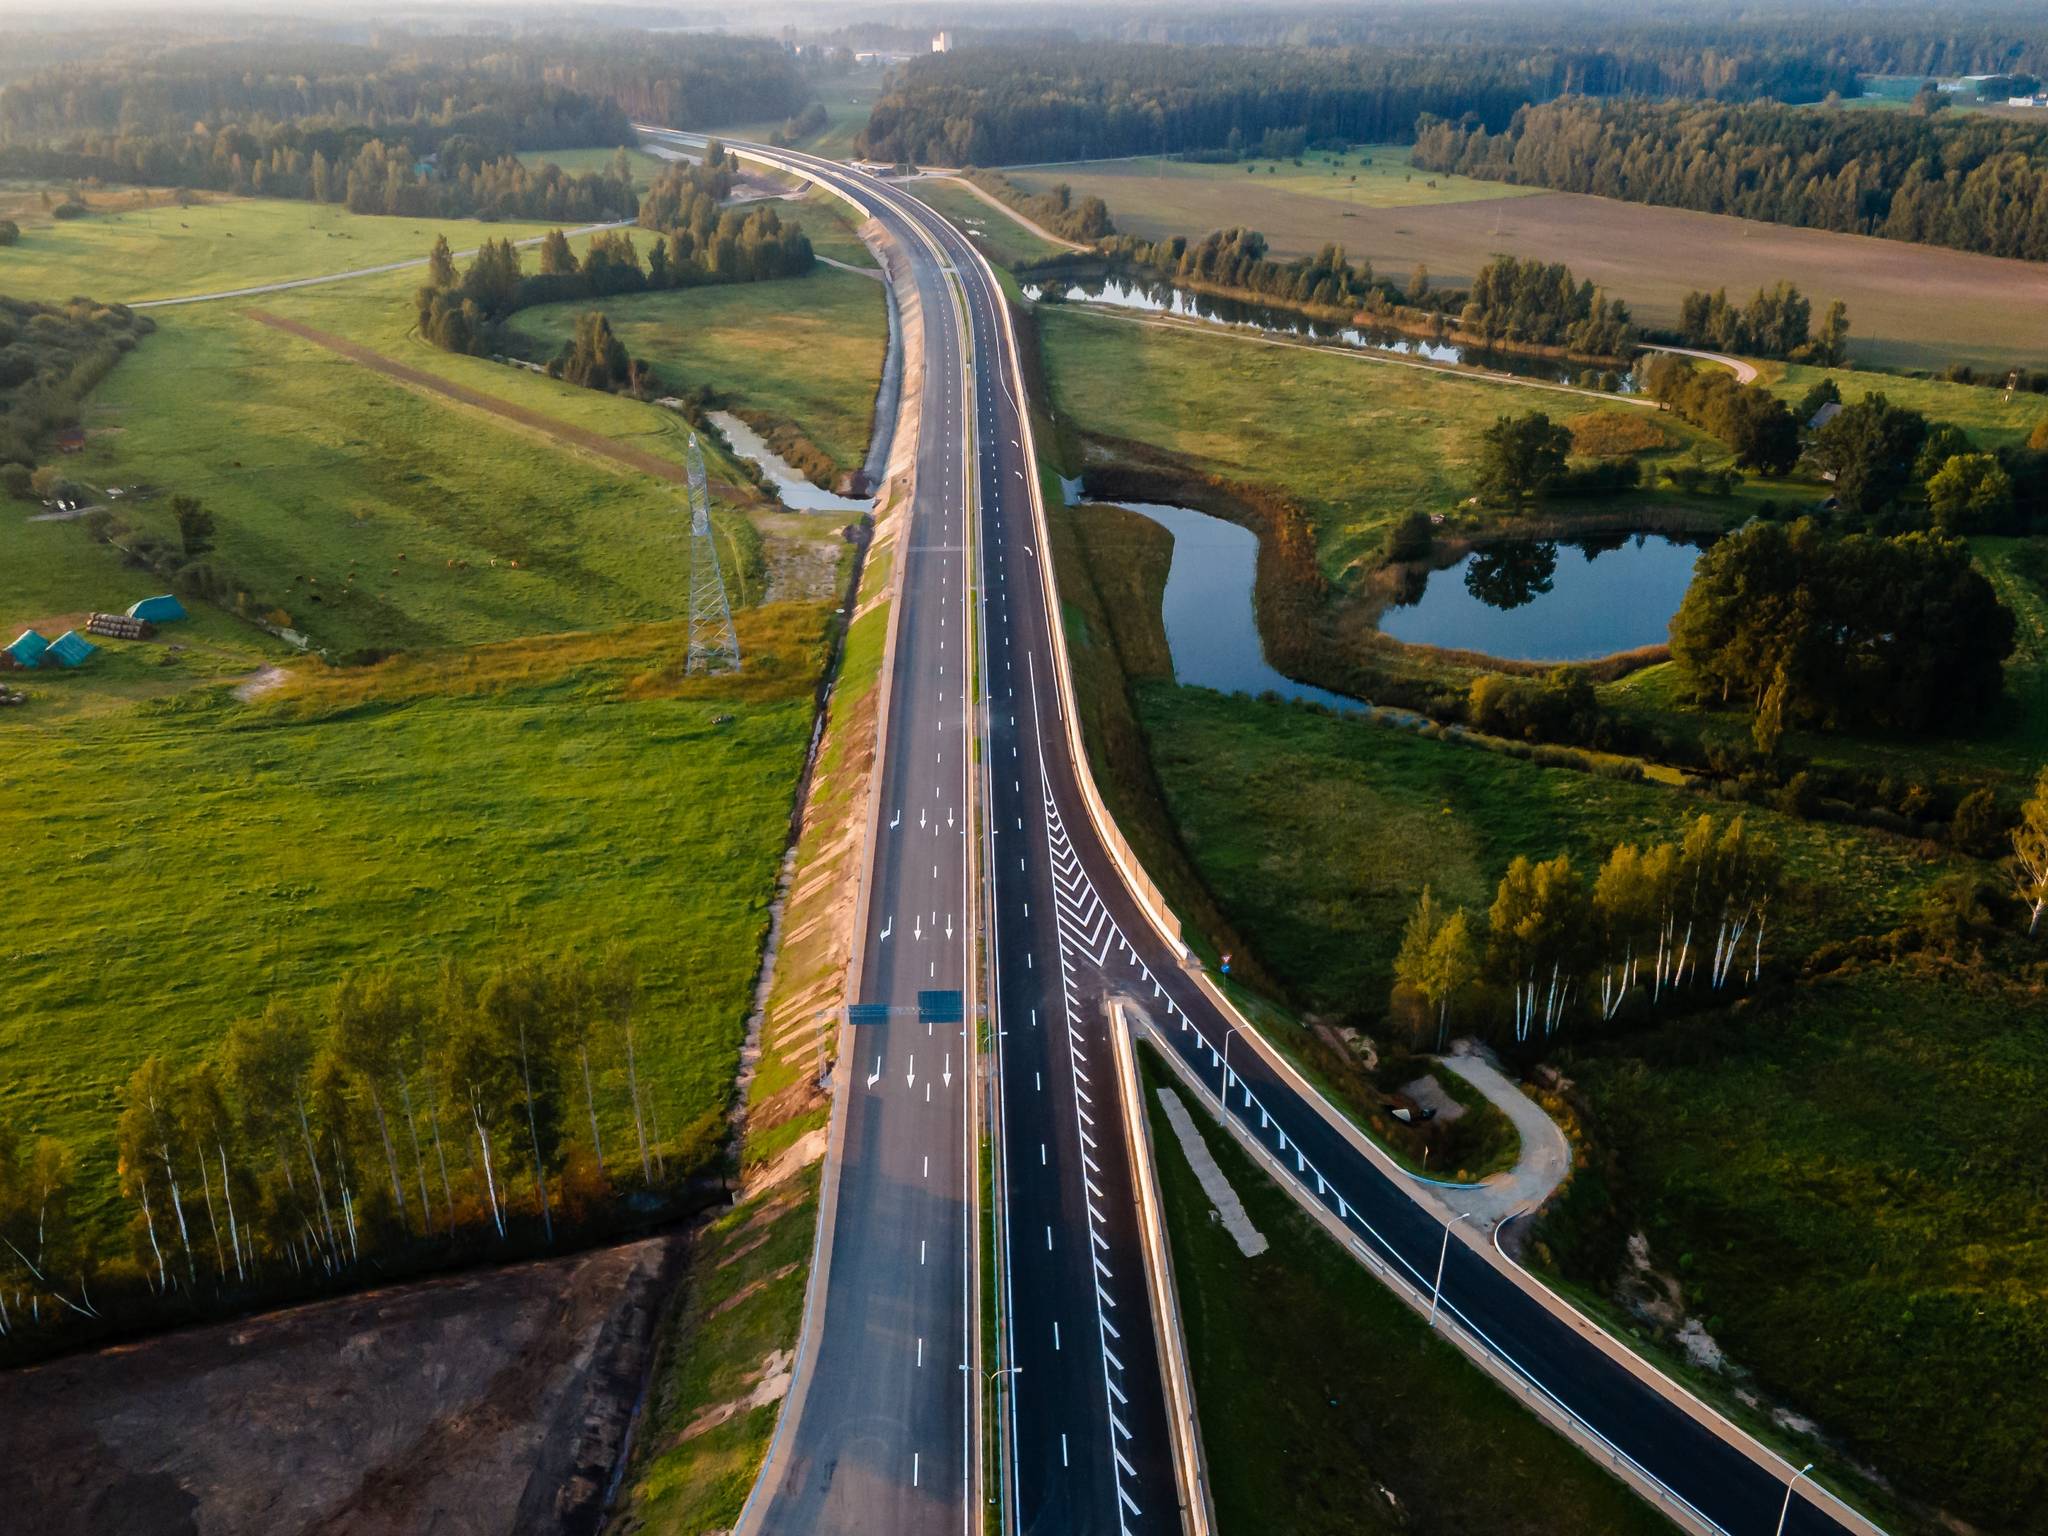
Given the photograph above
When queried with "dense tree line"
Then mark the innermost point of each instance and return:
(1899, 633)
(1654, 924)
(1778, 322)
(1755, 423)
(1968, 180)
(467, 178)
(51, 357)
(316, 1143)
(1534, 303)
(695, 241)
(993, 105)
(534, 92)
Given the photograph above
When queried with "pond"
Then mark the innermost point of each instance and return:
(1211, 630)
(1164, 298)
(797, 493)
(1530, 600)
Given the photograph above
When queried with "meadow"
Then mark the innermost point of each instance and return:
(1910, 307)
(195, 856)
(531, 770)
(1876, 1141)
(372, 516)
(164, 251)
(1329, 1407)
(803, 350)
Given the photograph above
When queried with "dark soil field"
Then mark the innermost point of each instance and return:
(487, 1402)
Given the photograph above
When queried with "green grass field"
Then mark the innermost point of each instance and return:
(1327, 1406)
(531, 770)
(806, 350)
(1848, 1187)
(391, 507)
(1318, 833)
(167, 252)
(207, 855)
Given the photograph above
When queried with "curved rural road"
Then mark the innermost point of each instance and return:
(342, 277)
(1745, 373)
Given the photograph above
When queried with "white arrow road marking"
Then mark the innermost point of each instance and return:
(949, 1069)
(875, 1076)
(898, 821)
(887, 928)
(910, 1074)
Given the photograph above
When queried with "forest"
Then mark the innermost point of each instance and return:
(1057, 101)
(1966, 180)
(1712, 48)
(424, 127)
(539, 92)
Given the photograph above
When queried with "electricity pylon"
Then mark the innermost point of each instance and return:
(713, 645)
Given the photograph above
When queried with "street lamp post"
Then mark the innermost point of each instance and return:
(1787, 1509)
(1436, 1291)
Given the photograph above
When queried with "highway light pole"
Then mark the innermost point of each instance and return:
(1782, 1513)
(1436, 1291)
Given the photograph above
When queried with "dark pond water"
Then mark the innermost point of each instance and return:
(1210, 627)
(1525, 600)
(1165, 298)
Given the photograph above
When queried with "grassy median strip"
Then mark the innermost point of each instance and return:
(1327, 1406)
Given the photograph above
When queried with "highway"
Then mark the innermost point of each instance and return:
(882, 1431)
(1067, 931)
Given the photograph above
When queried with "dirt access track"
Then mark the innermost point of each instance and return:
(594, 443)
(480, 1404)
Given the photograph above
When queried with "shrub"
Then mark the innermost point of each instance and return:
(1979, 826)
(69, 210)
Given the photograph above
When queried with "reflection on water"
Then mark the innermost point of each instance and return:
(798, 494)
(1525, 600)
(1166, 298)
(1210, 627)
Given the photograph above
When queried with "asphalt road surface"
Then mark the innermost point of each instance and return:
(1089, 1446)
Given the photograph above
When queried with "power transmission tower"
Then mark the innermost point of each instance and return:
(713, 645)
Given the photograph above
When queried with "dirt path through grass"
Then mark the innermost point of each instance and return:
(560, 432)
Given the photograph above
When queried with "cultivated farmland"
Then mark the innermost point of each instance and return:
(1909, 306)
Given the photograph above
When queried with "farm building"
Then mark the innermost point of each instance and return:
(70, 649)
(158, 610)
(71, 440)
(27, 649)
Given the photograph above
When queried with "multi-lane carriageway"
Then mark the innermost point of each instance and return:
(882, 1430)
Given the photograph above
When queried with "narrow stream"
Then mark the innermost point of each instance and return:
(797, 493)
